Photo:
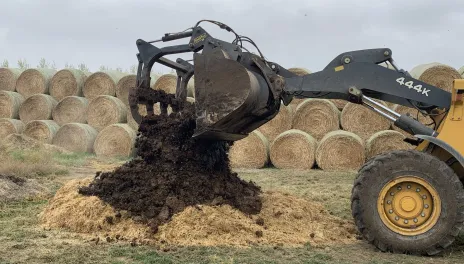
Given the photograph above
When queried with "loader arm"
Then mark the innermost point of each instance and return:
(237, 91)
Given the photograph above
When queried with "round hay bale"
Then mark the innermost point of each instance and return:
(72, 109)
(293, 149)
(385, 141)
(9, 104)
(105, 110)
(414, 113)
(8, 78)
(299, 72)
(363, 121)
(166, 82)
(461, 71)
(124, 86)
(37, 107)
(116, 140)
(66, 83)
(251, 152)
(436, 74)
(76, 137)
(339, 103)
(127, 83)
(10, 126)
(101, 83)
(279, 124)
(340, 151)
(34, 81)
(41, 130)
(316, 117)
(191, 88)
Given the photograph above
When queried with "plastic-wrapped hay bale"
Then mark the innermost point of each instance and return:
(280, 123)
(385, 141)
(72, 109)
(41, 130)
(9, 104)
(10, 126)
(76, 137)
(37, 107)
(293, 149)
(363, 121)
(340, 151)
(34, 81)
(436, 74)
(116, 140)
(251, 152)
(8, 78)
(67, 82)
(105, 110)
(316, 117)
(101, 83)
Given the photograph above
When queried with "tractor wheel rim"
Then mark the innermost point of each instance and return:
(409, 205)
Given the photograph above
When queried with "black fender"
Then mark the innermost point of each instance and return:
(442, 144)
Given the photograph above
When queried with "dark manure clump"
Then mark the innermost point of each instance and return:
(172, 171)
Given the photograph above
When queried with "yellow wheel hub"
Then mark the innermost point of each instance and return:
(409, 205)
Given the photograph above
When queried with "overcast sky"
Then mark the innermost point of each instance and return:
(299, 33)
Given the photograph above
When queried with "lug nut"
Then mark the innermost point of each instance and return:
(417, 190)
(392, 193)
(426, 206)
(405, 221)
(399, 188)
(423, 215)
(397, 218)
(415, 220)
(424, 197)
(390, 211)
(389, 202)
(409, 186)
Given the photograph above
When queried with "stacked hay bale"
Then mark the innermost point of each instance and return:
(251, 152)
(34, 81)
(67, 82)
(293, 149)
(347, 137)
(101, 83)
(67, 108)
(8, 79)
(76, 137)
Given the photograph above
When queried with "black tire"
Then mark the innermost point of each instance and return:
(377, 172)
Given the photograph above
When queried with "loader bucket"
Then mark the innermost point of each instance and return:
(230, 100)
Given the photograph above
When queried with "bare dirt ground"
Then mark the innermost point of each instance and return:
(23, 241)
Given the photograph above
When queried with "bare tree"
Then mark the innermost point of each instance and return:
(43, 64)
(69, 66)
(82, 67)
(22, 64)
(133, 69)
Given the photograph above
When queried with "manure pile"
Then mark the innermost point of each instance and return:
(181, 191)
